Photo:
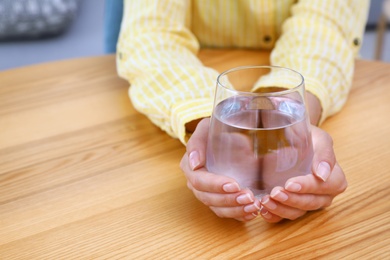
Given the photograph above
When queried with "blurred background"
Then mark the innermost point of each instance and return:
(82, 34)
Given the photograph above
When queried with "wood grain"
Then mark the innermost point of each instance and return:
(84, 176)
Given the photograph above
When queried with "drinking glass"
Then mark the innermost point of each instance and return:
(259, 129)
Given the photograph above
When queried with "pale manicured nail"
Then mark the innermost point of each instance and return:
(231, 187)
(266, 214)
(250, 217)
(244, 199)
(269, 203)
(252, 208)
(194, 160)
(279, 195)
(323, 170)
(293, 186)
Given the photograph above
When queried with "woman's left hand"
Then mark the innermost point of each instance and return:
(311, 192)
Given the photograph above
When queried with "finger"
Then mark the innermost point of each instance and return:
(335, 185)
(269, 217)
(247, 217)
(324, 158)
(243, 198)
(202, 180)
(281, 210)
(196, 146)
(238, 212)
(303, 202)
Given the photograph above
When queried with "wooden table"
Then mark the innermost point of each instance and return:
(83, 175)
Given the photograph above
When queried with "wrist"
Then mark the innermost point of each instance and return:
(314, 107)
(191, 126)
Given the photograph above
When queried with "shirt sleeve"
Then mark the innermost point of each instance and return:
(157, 55)
(321, 39)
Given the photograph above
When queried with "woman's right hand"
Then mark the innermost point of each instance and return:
(221, 194)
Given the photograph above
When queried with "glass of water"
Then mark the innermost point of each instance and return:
(259, 130)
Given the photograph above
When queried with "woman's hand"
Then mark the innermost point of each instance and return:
(310, 192)
(300, 194)
(220, 193)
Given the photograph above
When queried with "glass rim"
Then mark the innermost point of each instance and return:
(281, 92)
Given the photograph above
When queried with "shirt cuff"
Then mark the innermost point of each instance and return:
(312, 85)
(315, 87)
(187, 111)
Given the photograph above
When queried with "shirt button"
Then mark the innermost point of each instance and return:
(120, 55)
(267, 38)
(356, 42)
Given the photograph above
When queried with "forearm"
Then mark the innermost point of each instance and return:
(319, 41)
(157, 55)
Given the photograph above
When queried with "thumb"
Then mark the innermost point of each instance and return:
(324, 158)
(197, 144)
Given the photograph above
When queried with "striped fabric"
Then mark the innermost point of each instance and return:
(159, 41)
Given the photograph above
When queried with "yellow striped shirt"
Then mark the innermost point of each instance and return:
(159, 40)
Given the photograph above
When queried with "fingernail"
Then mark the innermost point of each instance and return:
(269, 203)
(293, 186)
(194, 160)
(231, 187)
(244, 199)
(250, 217)
(279, 195)
(323, 170)
(266, 214)
(252, 208)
